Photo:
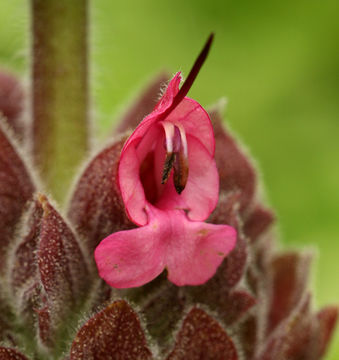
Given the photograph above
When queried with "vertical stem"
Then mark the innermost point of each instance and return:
(60, 89)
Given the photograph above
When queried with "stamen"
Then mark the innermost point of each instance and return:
(180, 165)
(180, 175)
(170, 157)
(176, 155)
(169, 135)
(183, 139)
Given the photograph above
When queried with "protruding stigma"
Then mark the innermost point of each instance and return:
(191, 76)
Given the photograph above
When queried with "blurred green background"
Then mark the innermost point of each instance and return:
(277, 62)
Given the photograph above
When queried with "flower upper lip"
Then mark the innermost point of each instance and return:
(182, 141)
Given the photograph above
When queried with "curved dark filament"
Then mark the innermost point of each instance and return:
(191, 77)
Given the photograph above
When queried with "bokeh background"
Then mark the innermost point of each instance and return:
(277, 62)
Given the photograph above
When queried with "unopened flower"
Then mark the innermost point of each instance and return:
(169, 184)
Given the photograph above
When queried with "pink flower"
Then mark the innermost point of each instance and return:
(169, 184)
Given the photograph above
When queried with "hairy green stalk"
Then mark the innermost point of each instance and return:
(60, 89)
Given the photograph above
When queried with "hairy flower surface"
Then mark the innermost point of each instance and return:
(169, 184)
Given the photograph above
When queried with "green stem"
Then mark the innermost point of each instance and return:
(60, 89)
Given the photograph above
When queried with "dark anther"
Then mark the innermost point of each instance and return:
(170, 157)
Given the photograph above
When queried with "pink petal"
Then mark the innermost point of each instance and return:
(171, 91)
(199, 248)
(131, 258)
(128, 173)
(131, 187)
(164, 103)
(200, 195)
(196, 122)
(143, 104)
(191, 251)
(189, 113)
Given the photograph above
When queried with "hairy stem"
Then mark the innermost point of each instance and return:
(60, 89)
